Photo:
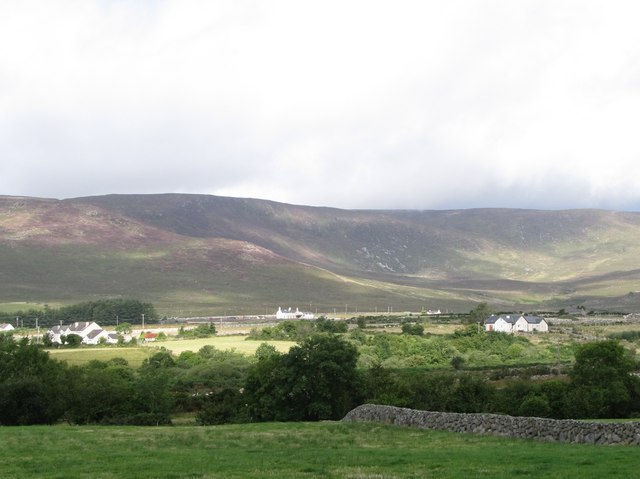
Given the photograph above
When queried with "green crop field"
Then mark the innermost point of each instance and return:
(135, 355)
(296, 450)
(77, 357)
(237, 343)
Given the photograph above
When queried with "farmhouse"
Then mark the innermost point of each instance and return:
(515, 323)
(89, 331)
(6, 327)
(297, 314)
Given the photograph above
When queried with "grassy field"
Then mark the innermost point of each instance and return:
(296, 450)
(135, 355)
(80, 356)
(238, 343)
(19, 306)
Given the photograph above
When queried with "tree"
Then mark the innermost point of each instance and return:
(457, 362)
(124, 328)
(104, 393)
(32, 386)
(204, 330)
(266, 350)
(226, 406)
(72, 340)
(413, 329)
(601, 381)
(480, 313)
(316, 380)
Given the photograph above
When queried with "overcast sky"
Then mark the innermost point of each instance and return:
(353, 104)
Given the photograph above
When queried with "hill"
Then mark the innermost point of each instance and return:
(208, 254)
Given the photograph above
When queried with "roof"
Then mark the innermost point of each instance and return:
(80, 326)
(508, 318)
(95, 333)
(534, 319)
(512, 318)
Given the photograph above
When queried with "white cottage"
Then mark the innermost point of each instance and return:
(515, 323)
(290, 314)
(6, 327)
(89, 331)
(529, 324)
(500, 324)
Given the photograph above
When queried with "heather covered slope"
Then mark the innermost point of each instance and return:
(207, 253)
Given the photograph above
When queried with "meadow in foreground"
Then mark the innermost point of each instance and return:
(296, 450)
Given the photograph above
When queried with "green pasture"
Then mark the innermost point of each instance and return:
(296, 450)
(19, 306)
(77, 357)
(224, 343)
(136, 354)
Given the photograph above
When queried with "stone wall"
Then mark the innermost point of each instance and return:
(516, 427)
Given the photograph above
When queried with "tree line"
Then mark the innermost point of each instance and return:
(106, 312)
(316, 380)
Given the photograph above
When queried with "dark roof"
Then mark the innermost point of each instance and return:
(81, 326)
(512, 318)
(94, 333)
(491, 319)
(509, 318)
(534, 319)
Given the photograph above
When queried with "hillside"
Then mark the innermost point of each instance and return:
(196, 253)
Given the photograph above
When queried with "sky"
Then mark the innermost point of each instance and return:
(351, 104)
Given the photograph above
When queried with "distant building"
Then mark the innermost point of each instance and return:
(6, 327)
(297, 314)
(516, 323)
(89, 331)
(150, 337)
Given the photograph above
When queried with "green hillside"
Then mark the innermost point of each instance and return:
(206, 254)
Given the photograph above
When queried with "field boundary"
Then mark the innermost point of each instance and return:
(565, 430)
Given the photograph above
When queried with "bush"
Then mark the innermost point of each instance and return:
(413, 329)
(201, 331)
(226, 406)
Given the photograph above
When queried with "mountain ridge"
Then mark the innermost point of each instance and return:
(220, 253)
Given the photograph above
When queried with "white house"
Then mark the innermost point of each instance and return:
(82, 328)
(6, 327)
(529, 324)
(515, 323)
(56, 332)
(89, 331)
(297, 314)
(500, 324)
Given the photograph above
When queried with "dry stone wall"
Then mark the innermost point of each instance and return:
(516, 427)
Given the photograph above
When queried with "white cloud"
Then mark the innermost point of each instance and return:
(379, 104)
